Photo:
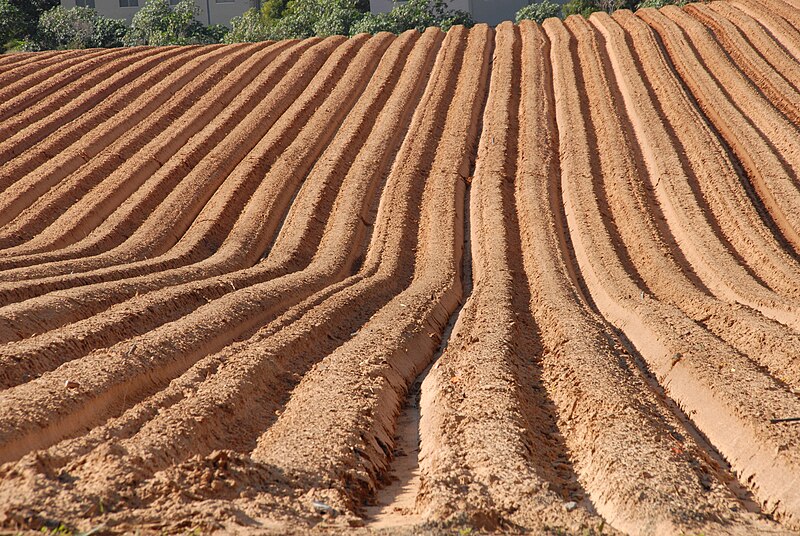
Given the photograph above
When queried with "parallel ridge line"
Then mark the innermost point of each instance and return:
(645, 136)
(223, 294)
(71, 147)
(186, 201)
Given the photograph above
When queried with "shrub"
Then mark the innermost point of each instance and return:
(658, 4)
(77, 27)
(413, 15)
(12, 23)
(272, 10)
(30, 11)
(297, 19)
(580, 7)
(544, 9)
(337, 19)
(159, 24)
(249, 28)
(307, 18)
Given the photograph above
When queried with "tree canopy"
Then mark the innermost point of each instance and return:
(539, 11)
(44, 24)
(304, 18)
(79, 27)
(158, 23)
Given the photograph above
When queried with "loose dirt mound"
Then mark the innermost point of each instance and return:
(531, 278)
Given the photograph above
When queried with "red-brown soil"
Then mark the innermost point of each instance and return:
(532, 278)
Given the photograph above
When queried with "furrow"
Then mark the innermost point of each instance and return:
(17, 59)
(107, 222)
(788, 10)
(30, 62)
(365, 379)
(316, 327)
(185, 419)
(24, 130)
(243, 148)
(302, 231)
(784, 33)
(266, 360)
(31, 82)
(35, 172)
(751, 62)
(98, 193)
(21, 163)
(173, 348)
(286, 344)
(655, 158)
(728, 398)
(250, 233)
(325, 324)
(761, 165)
(484, 409)
(761, 138)
(585, 368)
(145, 145)
(525, 279)
(19, 97)
(760, 37)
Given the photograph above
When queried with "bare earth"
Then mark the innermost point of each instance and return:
(530, 279)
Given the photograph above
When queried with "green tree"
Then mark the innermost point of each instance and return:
(31, 10)
(609, 6)
(296, 19)
(157, 23)
(658, 4)
(414, 14)
(307, 18)
(77, 27)
(272, 10)
(580, 7)
(12, 24)
(248, 28)
(254, 25)
(544, 9)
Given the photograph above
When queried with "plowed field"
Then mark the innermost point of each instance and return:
(530, 278)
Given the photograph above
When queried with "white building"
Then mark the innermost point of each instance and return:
(211, 11)
(492, 12)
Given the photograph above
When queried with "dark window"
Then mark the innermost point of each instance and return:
(85, 3)
(174, 2)
(128, 3)
(224, 1)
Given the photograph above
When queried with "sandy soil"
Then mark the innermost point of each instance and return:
(523, 279)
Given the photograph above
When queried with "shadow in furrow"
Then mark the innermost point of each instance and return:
(178, 353)
(597, 171)
(548, 450)
(647, 195)
(744, 178)
(749, 147)
(335, 243)
(394, 504)
(490, 437)
(56, 222)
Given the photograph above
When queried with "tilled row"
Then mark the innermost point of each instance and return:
(223, 268)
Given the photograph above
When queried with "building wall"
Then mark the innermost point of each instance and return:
(221, 12)
(492, 12)
(382, 6)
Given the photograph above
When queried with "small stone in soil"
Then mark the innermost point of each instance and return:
(69, 384)
(570, 506)
(322, 508)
